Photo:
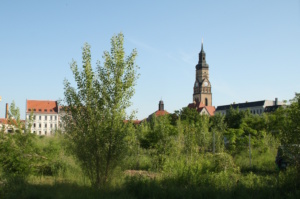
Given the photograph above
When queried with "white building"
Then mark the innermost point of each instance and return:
(45, 118)
(257, 107)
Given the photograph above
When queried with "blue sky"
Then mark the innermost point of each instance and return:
(252, 48)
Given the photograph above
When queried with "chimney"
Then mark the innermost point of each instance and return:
(276, 101)
(6, 111)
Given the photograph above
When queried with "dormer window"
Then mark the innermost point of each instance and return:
(45, 110)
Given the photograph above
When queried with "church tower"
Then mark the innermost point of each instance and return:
(202, 86)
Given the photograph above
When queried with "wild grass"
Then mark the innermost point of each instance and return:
(204, 175)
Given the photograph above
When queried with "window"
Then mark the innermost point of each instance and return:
(45, 110)
(50, 125)
(55, 118)
(40, 117)
(45, 132)
(40, 125)
(206, 102)
(33, 125)
(34, 132)
(50, 110)
(51, 117)
(40, 110)
(40, 132)
(29, 109)
(45, 117)
(34, 109)
(45, 125)
(34, 117)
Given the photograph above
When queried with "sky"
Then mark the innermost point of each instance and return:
(252, 48)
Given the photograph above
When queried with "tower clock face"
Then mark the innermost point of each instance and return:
(205, 84)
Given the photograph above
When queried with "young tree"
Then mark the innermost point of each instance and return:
(290, 137)
(95, 110)
(18, 152)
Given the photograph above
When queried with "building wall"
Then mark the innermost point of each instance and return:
(202, 96)
(256, 109)
(43, 124)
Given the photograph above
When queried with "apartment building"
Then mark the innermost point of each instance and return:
(44, 116)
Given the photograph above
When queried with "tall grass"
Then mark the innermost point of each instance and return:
(197, 175)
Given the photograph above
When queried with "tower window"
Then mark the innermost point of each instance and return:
(206, 102)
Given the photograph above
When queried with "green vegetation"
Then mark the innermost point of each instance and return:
(182, 155)
(95, 110)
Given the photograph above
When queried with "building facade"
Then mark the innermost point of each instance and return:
(44, 116)
(256, 107)
(202, 86)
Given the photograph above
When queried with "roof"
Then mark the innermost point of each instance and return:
(196, 105)
(133, 121)
(211, 110)
(199, 106)
(157, 114)
(3, 121)
(41, 106)
(160, 113)
(10, 122)
(241, 105)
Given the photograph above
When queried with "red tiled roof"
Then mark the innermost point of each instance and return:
(133, 121)
(11, 122)
(160, 113)
(41, 106)
(211, 110)
(196, 105)
(199, 106)
(3, 121)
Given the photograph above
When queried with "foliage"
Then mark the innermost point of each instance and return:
(159, 135)
(95, 110)
(17, 155)
(290, 138)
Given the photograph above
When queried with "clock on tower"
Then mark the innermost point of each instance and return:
(202, 87)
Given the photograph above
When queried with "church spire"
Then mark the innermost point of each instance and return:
(202, 60)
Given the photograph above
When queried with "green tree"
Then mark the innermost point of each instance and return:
(217, 128)
(14, 116)
(290, 137)
(18, 152)
(95, 110)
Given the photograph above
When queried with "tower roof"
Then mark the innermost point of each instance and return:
(202, 59)
(202, 47)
